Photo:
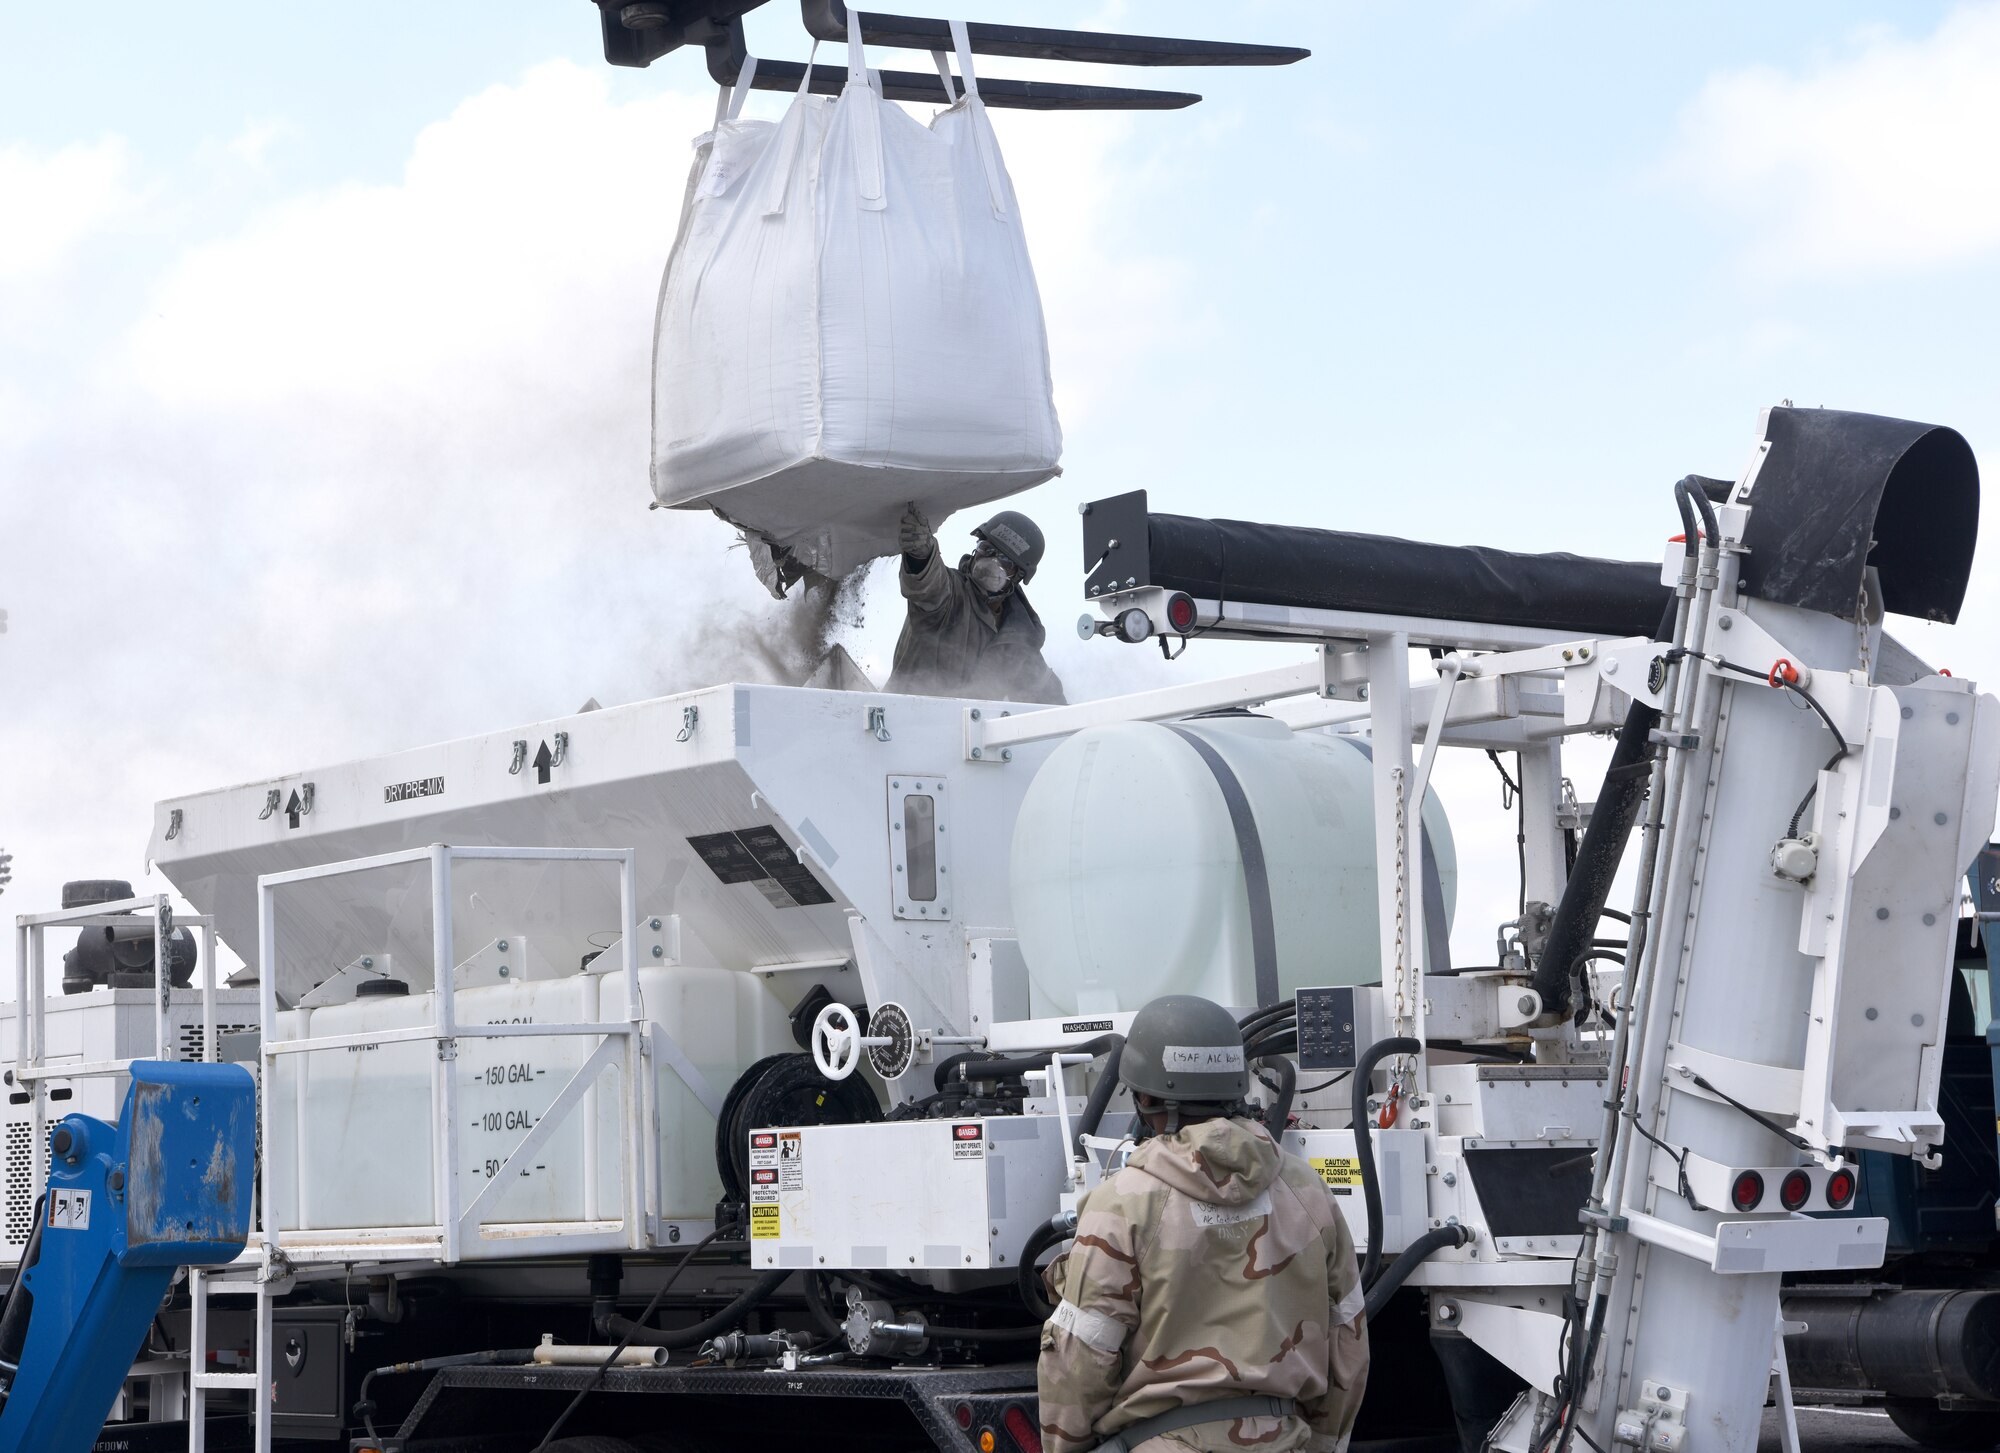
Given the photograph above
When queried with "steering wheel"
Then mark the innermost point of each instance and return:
(837, 1041)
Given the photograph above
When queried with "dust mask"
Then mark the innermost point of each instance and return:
(988, 574)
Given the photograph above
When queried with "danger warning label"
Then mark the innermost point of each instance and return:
(968, 1141)
(791, 1161)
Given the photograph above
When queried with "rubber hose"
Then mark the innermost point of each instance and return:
(813, 1285)
(1399, 1270)
(984, 1334)
(1028, 1276)
(1364, 1144)
(1704, 506)
(1618, 804)
(1005, 1067)
(638, 1335)
(1280, 1112)
(1102, 1091)
(20, 1304)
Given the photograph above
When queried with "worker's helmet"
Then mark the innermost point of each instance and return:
(1185, 1049)
(1015, 537)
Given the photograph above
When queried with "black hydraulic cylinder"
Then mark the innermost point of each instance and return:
(1582, 905)
(1904, 1343)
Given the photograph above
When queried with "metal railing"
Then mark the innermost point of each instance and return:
(31, 1065)
(459, 1218)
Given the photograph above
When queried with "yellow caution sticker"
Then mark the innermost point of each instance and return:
(1342, 1173)
(764, 1223)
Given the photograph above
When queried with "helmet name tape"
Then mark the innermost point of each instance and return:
(1203, 1058)
(1007, 539)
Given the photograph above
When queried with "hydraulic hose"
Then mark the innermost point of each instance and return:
(983, 1334)
(1597, 857)
(638, 1334)
(1399, 1270)
(1027, 1276)
(20, 1305)
(979, 1067)
(1364, 1145)
(1102, 1091)
(364, 1406)
(1280, 1112)
(813, 1286)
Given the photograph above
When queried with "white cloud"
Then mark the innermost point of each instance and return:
(48, 203)
(1883, 158)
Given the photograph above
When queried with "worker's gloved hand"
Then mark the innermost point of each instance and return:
(915, 537)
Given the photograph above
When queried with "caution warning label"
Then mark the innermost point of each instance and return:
(1342, 1173)
(764, 1223)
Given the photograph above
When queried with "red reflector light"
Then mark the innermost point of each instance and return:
(1840, 1189)
(1793, 1190)
(963, 1412)
(1022, 1428)
(1180, 612)
(1746, 1190)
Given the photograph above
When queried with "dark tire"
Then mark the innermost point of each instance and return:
(1957, 1429)
(784, 1089)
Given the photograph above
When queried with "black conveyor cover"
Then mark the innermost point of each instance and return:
(1277, 565)
(1838, 491)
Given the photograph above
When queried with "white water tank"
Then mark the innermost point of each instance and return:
(1128, 882)
(355, 1146)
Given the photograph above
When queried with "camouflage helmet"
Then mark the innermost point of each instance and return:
(1016, 538)
(1185, 1049)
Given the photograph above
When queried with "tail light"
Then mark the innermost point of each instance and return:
(1794, 1189)
(1746, 1190)
(1021, 1428)
(1180, 612)
(1840, 1189)
(963, 1413)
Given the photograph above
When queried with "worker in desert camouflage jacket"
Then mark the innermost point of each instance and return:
(1211, 1299)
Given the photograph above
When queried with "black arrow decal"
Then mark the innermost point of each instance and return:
(292, 809)
(542, 763)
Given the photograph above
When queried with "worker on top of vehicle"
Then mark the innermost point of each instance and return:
(1211, 1292)
(970, 631)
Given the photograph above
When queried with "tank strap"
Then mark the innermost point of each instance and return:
(1256, 877)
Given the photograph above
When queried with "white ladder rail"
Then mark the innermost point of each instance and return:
(201, 1382)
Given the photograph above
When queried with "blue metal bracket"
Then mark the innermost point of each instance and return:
(127, 1205)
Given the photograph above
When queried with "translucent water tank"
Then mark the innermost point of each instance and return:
(364, 1154)
(1128, 883)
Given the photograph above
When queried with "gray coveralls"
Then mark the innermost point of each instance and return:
(953, 646)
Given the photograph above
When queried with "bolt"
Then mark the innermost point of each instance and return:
(654, 925)
(1007, 755)
(502, 945)
(977, 754)
(1450, 1178)
(1725, 622)
(367, 961)
(659, 951)
(503, 971)
(1526, 1006)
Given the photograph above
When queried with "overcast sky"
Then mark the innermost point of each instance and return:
(324, 341)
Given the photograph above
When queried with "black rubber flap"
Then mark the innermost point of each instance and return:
(1280, 565)
(1832, 484)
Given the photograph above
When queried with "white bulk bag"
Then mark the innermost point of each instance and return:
(849, 323)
